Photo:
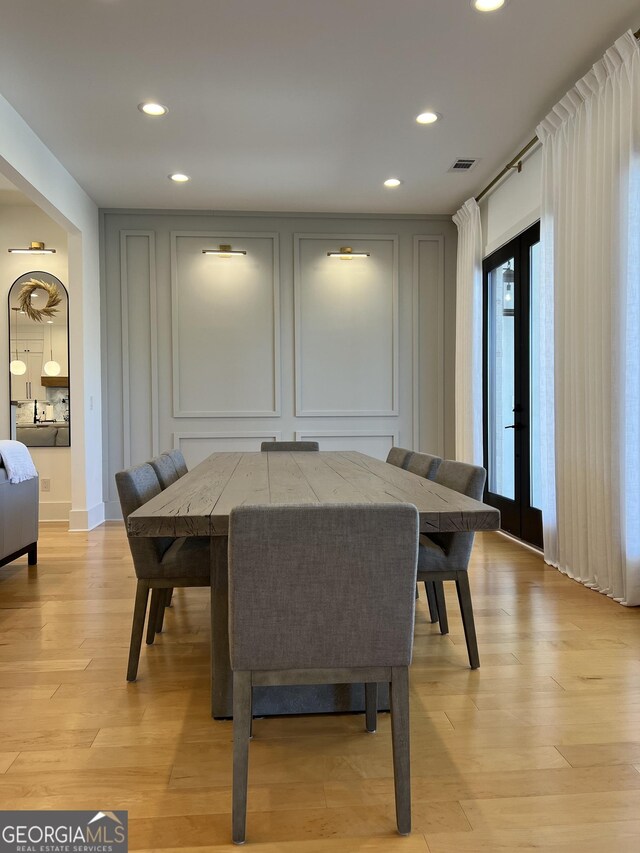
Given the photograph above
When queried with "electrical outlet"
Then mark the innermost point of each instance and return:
(45, 485)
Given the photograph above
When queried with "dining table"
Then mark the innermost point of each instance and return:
(200, 502)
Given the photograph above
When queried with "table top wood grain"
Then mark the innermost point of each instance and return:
(199, 503)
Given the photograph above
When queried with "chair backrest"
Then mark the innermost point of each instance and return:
(424, 465)
(136, 486)
(165, 470)
(469, 480)
(289, 445)
(336, 585)
(178, 461)
(399, 457)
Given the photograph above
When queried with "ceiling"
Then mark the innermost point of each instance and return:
(293, 105)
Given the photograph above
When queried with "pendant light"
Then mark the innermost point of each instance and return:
(17, 366)
(51, 368)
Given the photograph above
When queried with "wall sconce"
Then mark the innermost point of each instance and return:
(224, 251)
(346, 253)
(35, 248)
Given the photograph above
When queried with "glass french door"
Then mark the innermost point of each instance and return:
(511, 358)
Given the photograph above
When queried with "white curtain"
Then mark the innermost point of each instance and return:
(468, 386)
(591, 371)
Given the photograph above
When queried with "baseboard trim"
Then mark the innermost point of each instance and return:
(54, 510)
(524, 544)
(86, 519)
(112, 511)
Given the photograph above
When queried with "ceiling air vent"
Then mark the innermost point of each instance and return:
(463, 164)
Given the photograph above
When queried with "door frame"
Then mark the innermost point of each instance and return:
(519, 518)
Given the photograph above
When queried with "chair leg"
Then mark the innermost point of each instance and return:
(431, 600)
(438, 587)
(164, 603)
(401, 754)
(137, 629)
(241, 733)
(169, 596)
(371, 706)
(153, 615)
(32, 554)
(466, 609)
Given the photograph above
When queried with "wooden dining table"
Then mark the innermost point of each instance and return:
(200, 502)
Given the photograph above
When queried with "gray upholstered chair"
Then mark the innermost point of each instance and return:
(289, 445)
(160, 563)
(424, 465)
(445, 556)
(360, 575)
(178, 461)
(399, 457)
(165, 469)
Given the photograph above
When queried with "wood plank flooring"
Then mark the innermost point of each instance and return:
(539, 748)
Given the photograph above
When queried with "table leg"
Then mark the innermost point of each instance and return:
(221, 678)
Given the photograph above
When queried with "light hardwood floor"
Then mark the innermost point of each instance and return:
(539, 748)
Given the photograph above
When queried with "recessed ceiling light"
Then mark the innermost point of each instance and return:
(179, 178)
(153, 109)
(392, 182)
(427, 117)
(488, 5)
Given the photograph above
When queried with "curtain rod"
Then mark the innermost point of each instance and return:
(516, 162)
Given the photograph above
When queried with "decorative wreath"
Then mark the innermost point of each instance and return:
(53, 300)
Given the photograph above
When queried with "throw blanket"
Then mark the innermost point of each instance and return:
(17, 461)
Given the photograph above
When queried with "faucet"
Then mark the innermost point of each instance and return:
(35, 412)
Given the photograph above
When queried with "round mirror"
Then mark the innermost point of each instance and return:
(39, 360)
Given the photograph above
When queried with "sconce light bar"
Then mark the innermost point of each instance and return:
(224, 251)
(346, 253)
(36, 248)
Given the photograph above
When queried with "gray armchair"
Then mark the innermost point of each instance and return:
(178, 460)
(424, 465)
(445, 556)
(160, 563)
(399, 457)
(357, 564)
(165, 469)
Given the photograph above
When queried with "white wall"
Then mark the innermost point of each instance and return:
(34, 170)
(513, 206)
(208, 354)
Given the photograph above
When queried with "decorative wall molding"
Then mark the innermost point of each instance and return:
(318, 435)
(359, 240)
(260, 435)
(233, 238)
(127, 423)
(439, 241)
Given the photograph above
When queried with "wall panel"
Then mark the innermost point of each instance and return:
(197, 446)
(372, 443)
(226, 326)
(211, 355)
(138, 320)
(346, 326)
